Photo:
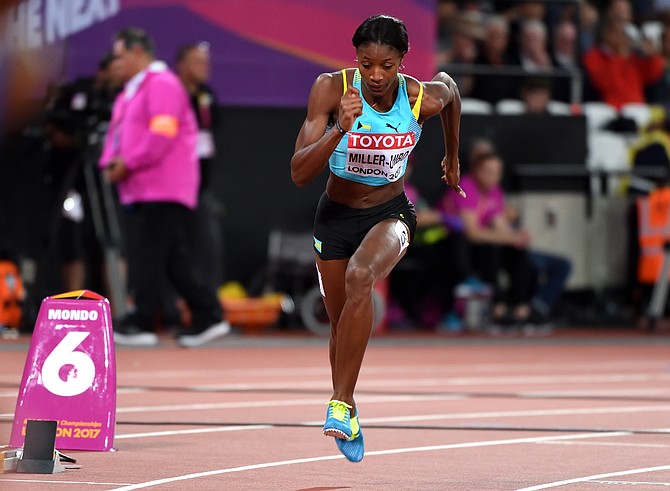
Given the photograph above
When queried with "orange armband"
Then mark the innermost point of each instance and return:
(164, 125)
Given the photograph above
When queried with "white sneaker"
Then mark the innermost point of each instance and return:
(218, 330)
(139, 338)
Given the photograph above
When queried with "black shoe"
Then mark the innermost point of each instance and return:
(537, 325)
(218, 330)
(503, 326)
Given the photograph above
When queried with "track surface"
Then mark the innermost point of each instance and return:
(577, 410)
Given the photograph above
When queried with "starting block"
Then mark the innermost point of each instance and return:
(39, 454)
(10, 459)
(69, 376)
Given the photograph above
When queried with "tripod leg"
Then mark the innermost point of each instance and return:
(109, 241)
(660, 292)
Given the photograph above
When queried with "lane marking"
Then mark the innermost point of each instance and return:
(215, 429)
(446, 381)
(652, 366)
(430, 448)
(279, 403)
(590, 393)
(556, 484)
(92, 483)
(394, 419)
(522, 413)
(119, 391)
(516, 380)
(427, 417)
(632, 483)
(613, 444)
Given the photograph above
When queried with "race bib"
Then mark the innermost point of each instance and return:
(378, 154)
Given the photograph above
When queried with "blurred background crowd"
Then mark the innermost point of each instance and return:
(561, 41)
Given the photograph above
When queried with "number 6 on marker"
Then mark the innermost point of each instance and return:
(75, 380)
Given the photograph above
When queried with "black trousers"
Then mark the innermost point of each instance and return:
(489, 259)
(430, 269)
(159, 256)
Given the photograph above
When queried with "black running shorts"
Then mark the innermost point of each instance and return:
(339, 229)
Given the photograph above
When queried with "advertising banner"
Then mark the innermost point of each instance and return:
(264, 52)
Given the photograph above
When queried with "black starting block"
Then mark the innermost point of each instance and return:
(39, 454)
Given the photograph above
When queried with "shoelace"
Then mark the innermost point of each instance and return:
(338, 410)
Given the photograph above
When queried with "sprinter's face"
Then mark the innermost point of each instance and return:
(379, 65)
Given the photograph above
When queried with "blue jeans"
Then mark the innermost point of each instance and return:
(552, 274)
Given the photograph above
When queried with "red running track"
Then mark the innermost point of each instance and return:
(573, 411)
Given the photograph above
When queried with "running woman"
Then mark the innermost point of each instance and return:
(363, 123)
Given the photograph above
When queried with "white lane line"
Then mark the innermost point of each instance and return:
(280, 403)
(445, 381)
(372, 384)
(591, 393)
(556, 484)
(515, 380)
(215, 429)
(522, 413)
(632, 483)
(394, 419)
(119, 391)
(37, 481)
(638, 366)
(653, 366)
(613, 444)
(218, 429)
(431, 448)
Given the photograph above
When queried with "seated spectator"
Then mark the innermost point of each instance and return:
(536, 93)
(446, 11)
(533, 54)
(551, 275)
(494, 244)
(551, 271)
(493, 53)
(589, 17)
(517, 14)
(565, 56)
(429, 259)
(619, 11)
(616, 71)
(465, 34)
(659, 92)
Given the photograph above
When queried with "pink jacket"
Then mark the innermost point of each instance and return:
(154, 130)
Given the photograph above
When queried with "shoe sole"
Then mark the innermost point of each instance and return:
(335, 433)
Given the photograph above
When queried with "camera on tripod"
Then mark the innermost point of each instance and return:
(78, 114)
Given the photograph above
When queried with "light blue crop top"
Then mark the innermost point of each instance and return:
(375, 150)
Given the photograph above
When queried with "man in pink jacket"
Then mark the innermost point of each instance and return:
(150, 153)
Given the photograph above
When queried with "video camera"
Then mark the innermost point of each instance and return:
(80, 111)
